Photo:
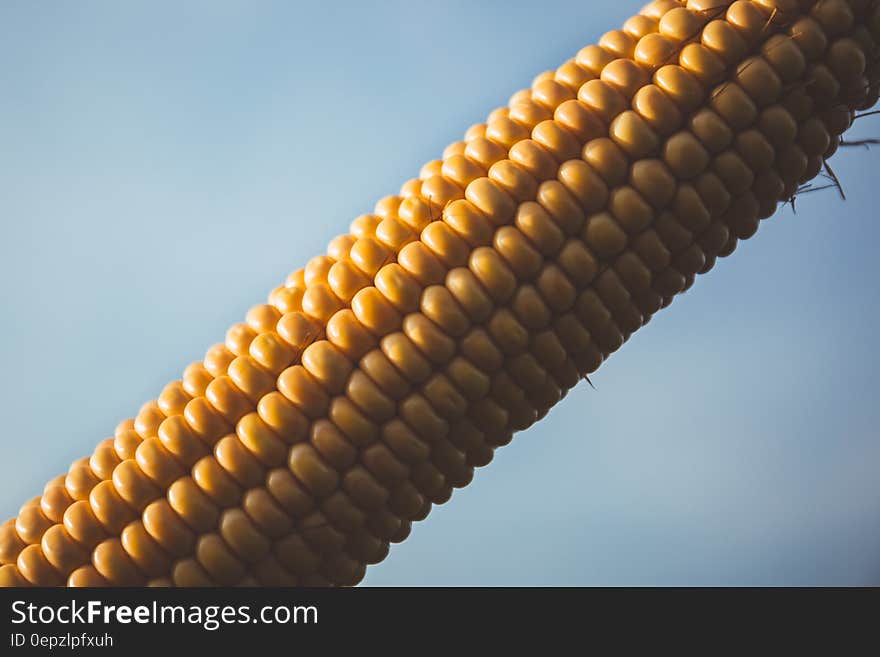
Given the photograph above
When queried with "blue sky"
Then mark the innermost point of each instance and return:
(163, 165)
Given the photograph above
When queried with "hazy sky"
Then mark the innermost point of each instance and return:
(164, 164)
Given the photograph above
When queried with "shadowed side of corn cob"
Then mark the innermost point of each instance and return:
(380, 375)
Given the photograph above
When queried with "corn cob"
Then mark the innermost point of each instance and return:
(377, 377)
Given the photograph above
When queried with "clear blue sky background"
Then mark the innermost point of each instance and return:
(164, 164)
